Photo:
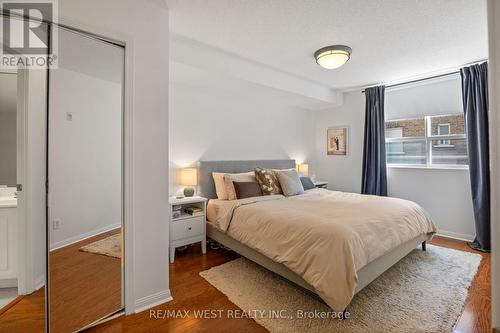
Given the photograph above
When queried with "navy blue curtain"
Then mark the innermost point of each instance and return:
(374, 179)
(475, 103)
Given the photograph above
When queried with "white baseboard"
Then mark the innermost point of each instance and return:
(455, 235)
(78, 238)
(36, 285)
(39, 282)
(153, 300)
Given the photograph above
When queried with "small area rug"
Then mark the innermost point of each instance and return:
(109, 246)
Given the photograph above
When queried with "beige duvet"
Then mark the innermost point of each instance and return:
(323, 236)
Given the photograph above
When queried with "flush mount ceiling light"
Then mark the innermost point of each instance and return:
(332, 57)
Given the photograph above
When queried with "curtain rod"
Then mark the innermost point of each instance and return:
(429, 77)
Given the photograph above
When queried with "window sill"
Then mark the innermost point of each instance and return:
(443, 146)
(432, 167)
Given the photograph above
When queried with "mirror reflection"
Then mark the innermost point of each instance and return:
(85, 182)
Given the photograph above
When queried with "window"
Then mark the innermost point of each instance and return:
(444, 129)
(405, 141)
(427, 141)
(396, 148)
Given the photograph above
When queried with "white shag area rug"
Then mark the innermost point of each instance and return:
(424, 292)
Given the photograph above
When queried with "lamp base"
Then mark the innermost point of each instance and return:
(188, 191)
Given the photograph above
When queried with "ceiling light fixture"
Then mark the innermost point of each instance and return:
(332, 57)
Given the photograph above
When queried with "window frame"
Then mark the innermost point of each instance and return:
(428, 138)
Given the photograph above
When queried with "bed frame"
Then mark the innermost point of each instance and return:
(365, 275)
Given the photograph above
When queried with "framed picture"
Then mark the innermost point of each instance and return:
(336, 140)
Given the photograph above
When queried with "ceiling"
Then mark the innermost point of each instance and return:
(391, 39)
(229, 88)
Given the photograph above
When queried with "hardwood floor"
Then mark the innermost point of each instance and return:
(78, 282)
(27, 315)
(84, 286)
(191, 292)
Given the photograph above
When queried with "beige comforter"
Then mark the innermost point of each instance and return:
(323, 236)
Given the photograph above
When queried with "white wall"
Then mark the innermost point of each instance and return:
(494, 85)
(85, 159)
(214, 124)
(445, 194)
(8, 154)
(343, 173)
(143, 25)
(450, 205)
(8, 148)
(8, 91)
(84, 153)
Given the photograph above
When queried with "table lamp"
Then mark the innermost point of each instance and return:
(189, 178)
(303, 169)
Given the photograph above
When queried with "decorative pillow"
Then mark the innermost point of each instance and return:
(220, 186)
(268, 181)
(307, 183)
(290, 182)
(247, 190)
(229, 178)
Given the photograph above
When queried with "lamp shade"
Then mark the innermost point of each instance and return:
(189, 177)
(303, 169)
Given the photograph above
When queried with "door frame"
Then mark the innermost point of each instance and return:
(24, 271)
(25, 275)
(28, 279)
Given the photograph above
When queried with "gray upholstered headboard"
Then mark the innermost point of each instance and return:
(205, 169)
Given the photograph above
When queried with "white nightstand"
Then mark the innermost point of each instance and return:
(321, 184)
(187, 229)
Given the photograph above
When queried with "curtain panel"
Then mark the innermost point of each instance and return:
(374, 178)
(475, 103)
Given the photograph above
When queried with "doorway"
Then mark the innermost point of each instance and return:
(22, 192)
(9, 260)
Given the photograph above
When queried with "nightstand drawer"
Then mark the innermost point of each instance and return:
(187, 228)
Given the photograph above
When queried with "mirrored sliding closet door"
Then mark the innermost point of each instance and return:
(85, 164)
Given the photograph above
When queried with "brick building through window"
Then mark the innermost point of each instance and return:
(428, 140)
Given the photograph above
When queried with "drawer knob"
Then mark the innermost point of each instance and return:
(189, 228)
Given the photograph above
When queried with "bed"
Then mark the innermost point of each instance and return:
(328, 242)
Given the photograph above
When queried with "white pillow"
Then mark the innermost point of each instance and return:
(220, 186)
(290, 182)
(229, 178)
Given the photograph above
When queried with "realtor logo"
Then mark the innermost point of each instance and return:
(25, 34)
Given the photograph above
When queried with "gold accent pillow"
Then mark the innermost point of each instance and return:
(268, 181)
